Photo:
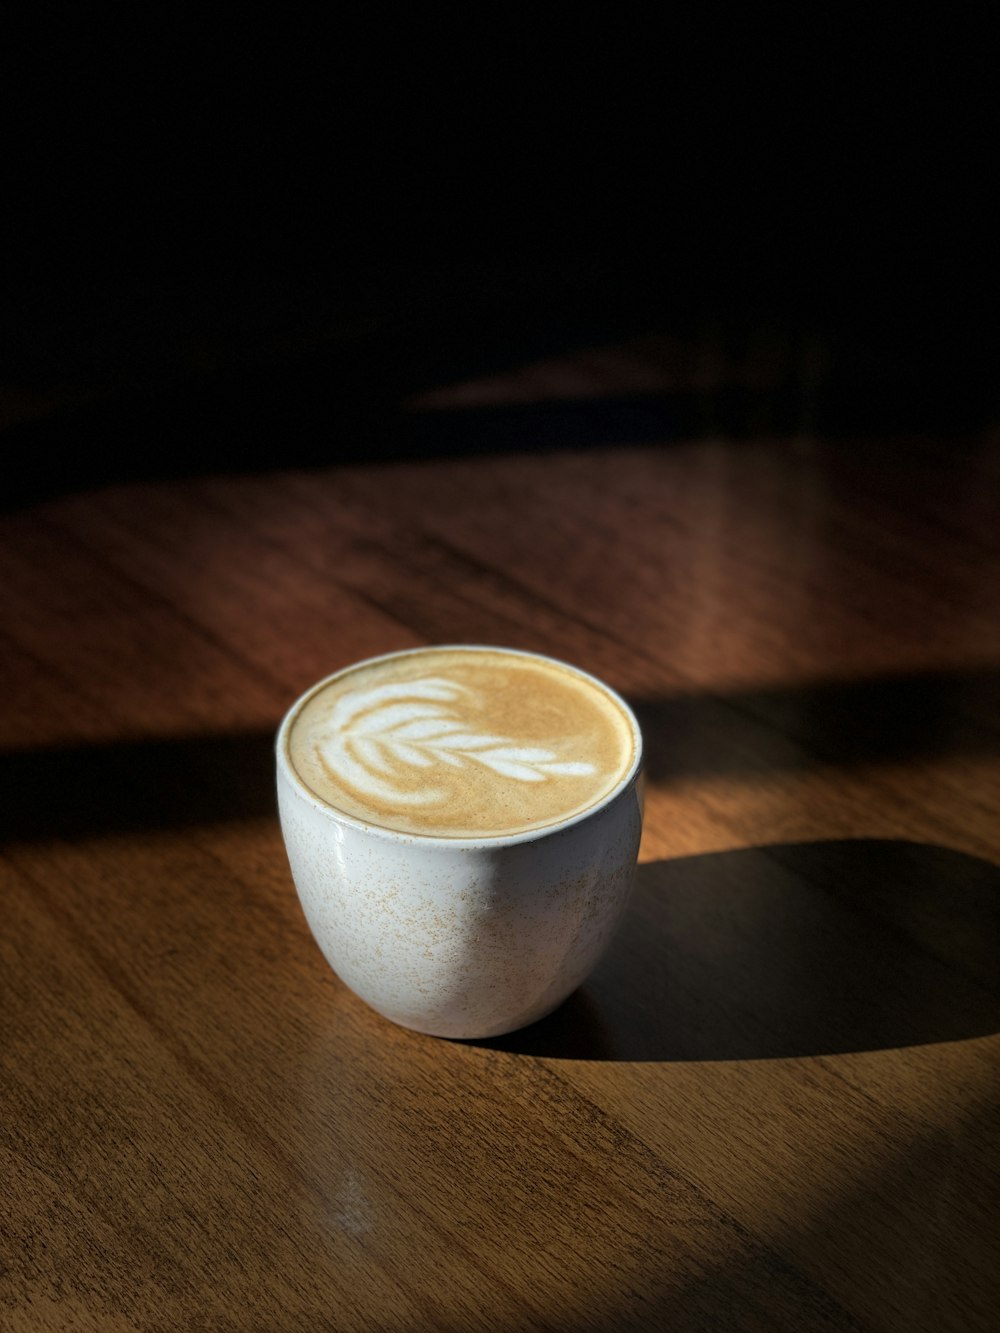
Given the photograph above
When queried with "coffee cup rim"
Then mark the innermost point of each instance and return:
(481, 840)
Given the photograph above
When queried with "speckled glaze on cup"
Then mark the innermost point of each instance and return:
(461, 937)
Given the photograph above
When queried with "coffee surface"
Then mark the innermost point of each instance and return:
(454, 742)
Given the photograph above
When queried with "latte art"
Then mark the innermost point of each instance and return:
(372, 732)
(459, 742)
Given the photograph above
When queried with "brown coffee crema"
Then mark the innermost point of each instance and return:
(462, 742)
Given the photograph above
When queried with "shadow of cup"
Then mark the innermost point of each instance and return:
(790, 950)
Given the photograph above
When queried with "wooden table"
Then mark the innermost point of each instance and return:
(775, 1106)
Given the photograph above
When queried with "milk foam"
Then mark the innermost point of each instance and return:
(462, 742)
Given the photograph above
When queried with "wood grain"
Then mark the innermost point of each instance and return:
(774, 1106)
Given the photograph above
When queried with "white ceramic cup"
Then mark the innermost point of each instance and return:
(461, 937)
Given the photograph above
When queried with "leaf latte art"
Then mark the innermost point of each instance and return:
(372, 732)
(461, 742)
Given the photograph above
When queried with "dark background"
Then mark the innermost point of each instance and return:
(242, 245)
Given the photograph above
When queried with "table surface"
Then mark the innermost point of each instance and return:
(775, 1104)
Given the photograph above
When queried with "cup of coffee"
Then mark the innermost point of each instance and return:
(462, 825)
